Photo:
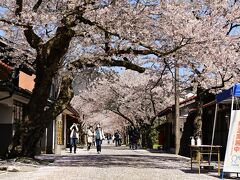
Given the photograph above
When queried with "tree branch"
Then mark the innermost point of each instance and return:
(117, 111)
(160, 78)
(232, 26)
(33, 39)
(126, 64)
(86, 21)
(112, 62)
(37, 5)
(107, 47)
(14, 23)
(153, 104)
(149, 50)
(222, 84)
(167, 52)
(18, 10)
(116, 93)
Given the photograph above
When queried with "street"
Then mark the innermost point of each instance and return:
(113, 163)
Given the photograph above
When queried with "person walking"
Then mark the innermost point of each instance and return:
(135, 138)
(109, 138)
(99, 135)
(113, 138)
(73, 137)
(90, 135)
(119, 139)
(116, 135)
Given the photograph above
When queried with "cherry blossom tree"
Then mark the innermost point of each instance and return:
(68, 35)
(198, 38)
(135, 98)
(64, 36)
(52, 32)
(109, 121)
(213, 63)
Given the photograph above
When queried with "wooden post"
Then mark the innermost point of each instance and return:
(213, 133)
(177, 128)
(58, 132)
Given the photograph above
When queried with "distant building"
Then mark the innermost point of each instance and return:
(188, 111)
(167, 130)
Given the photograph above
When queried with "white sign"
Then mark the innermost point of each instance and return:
(232, 156)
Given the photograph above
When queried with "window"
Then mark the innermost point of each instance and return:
(18, 109)
(18, 114)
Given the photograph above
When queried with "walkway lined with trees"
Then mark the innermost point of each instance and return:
(113, 163)
(121, 64)
(91, 40)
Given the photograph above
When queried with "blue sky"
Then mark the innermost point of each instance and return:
(2, 10)
(235, 31)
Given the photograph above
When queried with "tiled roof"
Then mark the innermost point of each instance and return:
(2, 64)
(188, 99)
(169, 109)
(72, 110)
(5, 71)
(204, 106)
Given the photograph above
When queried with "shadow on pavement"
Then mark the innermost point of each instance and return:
(105, 161)
(195, 171)
(212, 173)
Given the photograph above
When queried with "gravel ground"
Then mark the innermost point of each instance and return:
(112, 164)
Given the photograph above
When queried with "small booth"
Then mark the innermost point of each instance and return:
(232, 155)
(202, 150)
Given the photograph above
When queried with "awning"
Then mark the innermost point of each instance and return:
(226, 95)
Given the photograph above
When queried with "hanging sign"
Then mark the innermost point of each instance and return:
(232, 156)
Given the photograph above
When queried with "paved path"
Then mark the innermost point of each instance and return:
(118, 163)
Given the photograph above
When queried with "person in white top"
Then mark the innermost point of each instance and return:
(73, 137)
(99, 135)
(90, 135)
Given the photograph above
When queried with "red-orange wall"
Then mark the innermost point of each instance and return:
(26, 81)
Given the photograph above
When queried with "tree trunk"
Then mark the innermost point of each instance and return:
(149, 141)
(197, 123)
(40, 112)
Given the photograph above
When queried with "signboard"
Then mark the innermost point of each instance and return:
(59, 132)
(232, 156)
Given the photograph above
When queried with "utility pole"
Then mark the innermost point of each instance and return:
(177, 128)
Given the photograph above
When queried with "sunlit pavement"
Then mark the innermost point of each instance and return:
(113, 163)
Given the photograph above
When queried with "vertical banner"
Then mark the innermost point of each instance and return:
(232, 156)
(59, 132)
